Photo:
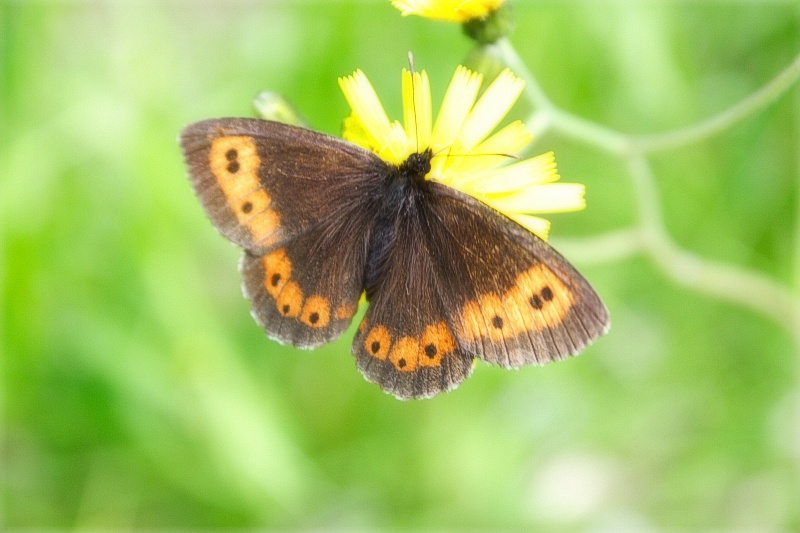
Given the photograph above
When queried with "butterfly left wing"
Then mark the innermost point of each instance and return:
(298, 202)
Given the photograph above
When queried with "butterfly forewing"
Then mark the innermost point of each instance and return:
(511, 299)
(298, 202)
(262, 183)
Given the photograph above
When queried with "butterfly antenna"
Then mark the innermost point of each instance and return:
(451, 154)
(414, 99)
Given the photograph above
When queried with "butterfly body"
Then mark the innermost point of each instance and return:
(447, 278)
(400, 199)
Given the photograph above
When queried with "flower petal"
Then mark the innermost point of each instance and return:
(497, 150)
(417, 109)
(353, 130)
(537, 225)
(367, 107)
(449, 10)
(537, 170)
(490, 109)
(365, 104)
(549, 198)
(509, 140)
(458, 100)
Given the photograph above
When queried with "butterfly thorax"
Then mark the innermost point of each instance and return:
(416, 167)
(404, 187)
(400, 199)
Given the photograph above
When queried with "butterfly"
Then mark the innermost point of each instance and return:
(447, 278)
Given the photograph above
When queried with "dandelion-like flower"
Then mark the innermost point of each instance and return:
(485, 21)
(449, 10)
(465, 155)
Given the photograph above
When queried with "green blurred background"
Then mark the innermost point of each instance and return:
(139, 394)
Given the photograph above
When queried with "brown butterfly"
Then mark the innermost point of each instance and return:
(447, 278)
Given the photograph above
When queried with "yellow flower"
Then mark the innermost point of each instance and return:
(449, 10)
(465, 156)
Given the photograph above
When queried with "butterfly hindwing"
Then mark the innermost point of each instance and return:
(304, 293)
(298, 202)
(510, 298)
(405, 343)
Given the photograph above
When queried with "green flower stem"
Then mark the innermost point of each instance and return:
(617, 245)
(567, 123)
(731, 283)
(591, 132)
(796, 281)
(723, 121)
(513, 61)
(538, 123)
(738, 285)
